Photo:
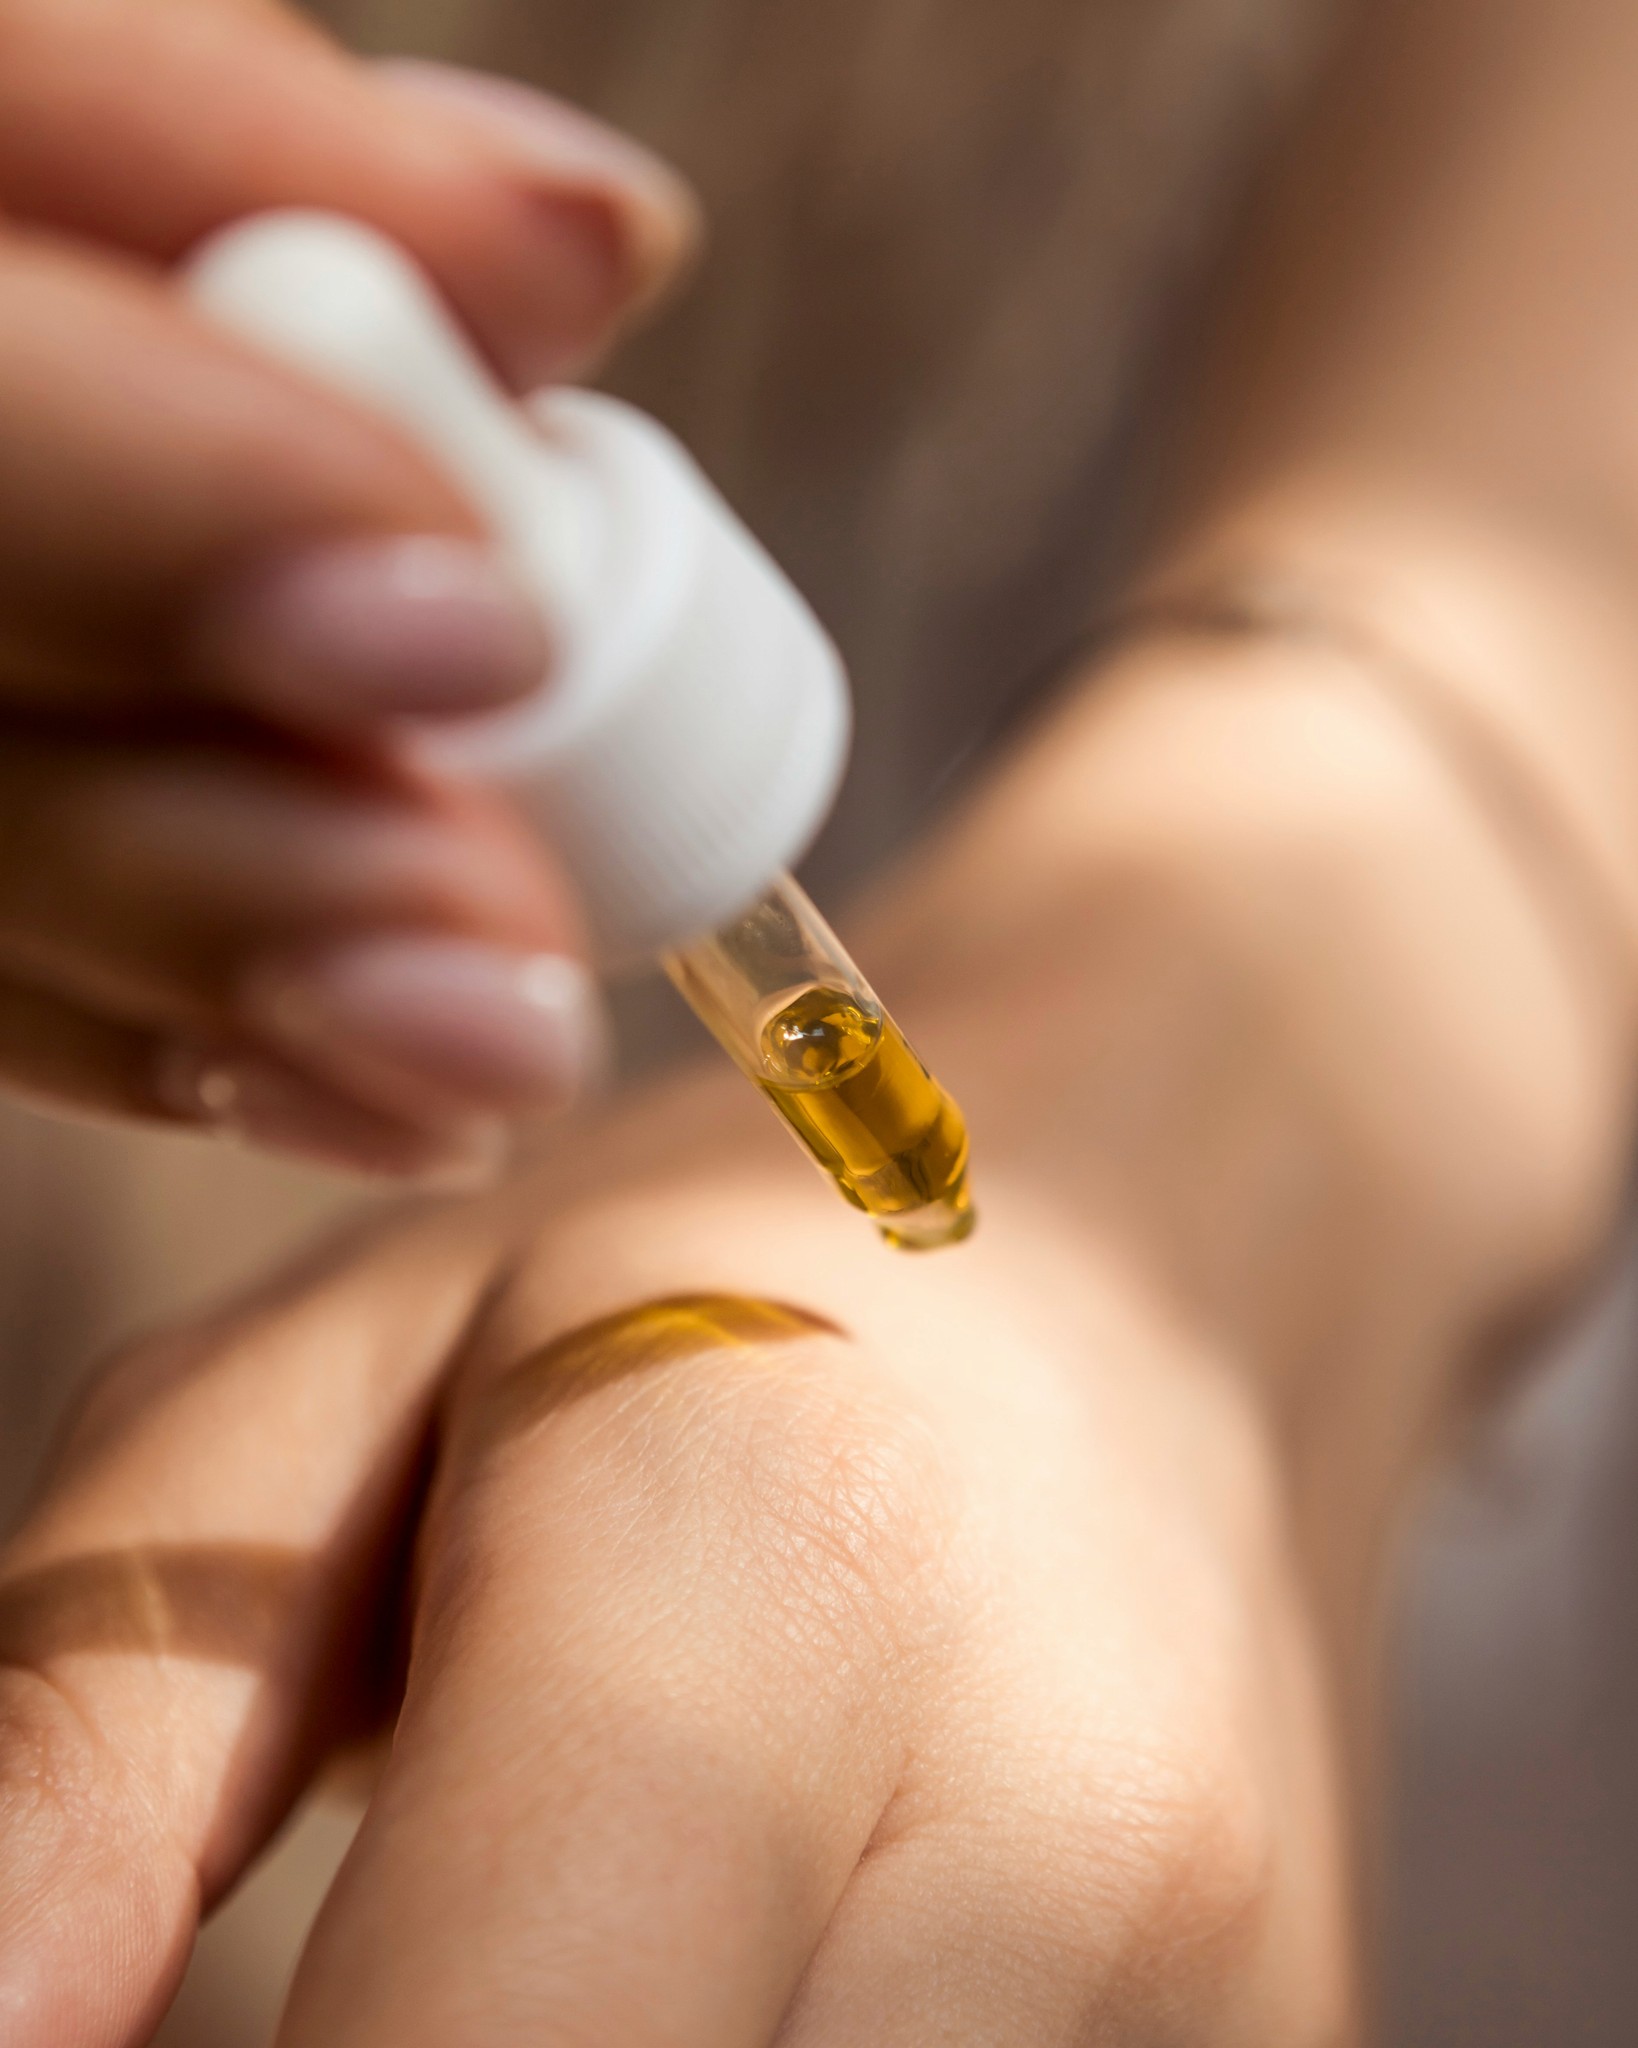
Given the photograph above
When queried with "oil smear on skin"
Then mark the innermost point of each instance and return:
(647, 1337)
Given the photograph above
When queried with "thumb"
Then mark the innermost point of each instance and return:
(190, 1612)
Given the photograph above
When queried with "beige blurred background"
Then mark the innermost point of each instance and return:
(955, 254)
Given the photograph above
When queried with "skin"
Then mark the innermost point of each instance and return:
(976, 1647)
(983, 1648)
(981, 1563)
(168, 830)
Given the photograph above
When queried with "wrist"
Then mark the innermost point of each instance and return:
(1509, 634)
(1231, 968)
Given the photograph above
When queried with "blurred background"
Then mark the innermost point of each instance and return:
(955, 262)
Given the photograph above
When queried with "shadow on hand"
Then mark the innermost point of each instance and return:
(223, 1603)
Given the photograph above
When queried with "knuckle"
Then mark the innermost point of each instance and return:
(770, 1461)
(1196, 1856)
(1139, 1880)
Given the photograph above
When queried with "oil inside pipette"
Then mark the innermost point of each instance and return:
(848, 1084)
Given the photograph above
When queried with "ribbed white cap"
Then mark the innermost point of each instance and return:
(688, 744)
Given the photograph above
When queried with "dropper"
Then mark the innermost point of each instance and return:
(689, 741)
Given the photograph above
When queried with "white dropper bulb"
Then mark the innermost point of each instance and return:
(688, 743)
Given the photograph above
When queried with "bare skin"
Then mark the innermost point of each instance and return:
(201, 796)
(979, 1649)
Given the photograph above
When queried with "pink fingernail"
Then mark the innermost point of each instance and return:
(411, 626)
(246, 1096)
(658, 217)
(424, 1025)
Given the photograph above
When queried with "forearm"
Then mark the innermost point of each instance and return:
(1234, 978)
(1332, 877)
(1414, 415)
(1295, 961)
(1247, 979)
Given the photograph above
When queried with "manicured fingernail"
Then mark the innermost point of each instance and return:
(411, 626)
(627, 218)
(426, 1025)
(245, 1096)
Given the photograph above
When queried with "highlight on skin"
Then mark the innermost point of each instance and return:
(647, 1337)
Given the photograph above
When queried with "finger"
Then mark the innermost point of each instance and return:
(193, 1609)
(180, 518)
(1121, 1911)
(1109, 1830)
(657, 1699)
(411, 948)
(149, 126)
(169, 864)
(933, 1944)
(66, 1058)
(539, 132)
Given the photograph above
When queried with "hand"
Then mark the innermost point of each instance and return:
(967, 1649)
(222, 895)
(860, 1649)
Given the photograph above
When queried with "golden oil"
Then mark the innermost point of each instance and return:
(846, 1081)
(777, 989)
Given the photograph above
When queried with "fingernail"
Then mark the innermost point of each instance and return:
(412, 626)
(424, 1026)
(242, 1095)
(654, 222)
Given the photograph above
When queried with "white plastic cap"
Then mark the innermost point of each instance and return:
(690, 739)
